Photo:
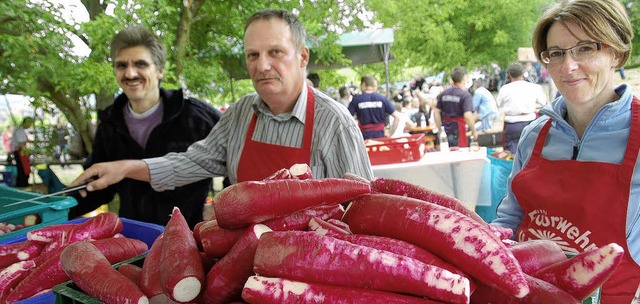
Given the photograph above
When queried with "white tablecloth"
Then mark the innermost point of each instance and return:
(463, 174)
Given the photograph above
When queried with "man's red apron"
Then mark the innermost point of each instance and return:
(259, 160)
(371, 127)
(462, 130)
(581, 205)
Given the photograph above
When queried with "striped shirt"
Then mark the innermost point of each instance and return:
(337, 146)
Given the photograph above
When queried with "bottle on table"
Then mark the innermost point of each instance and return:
(444, 141)
(473, 144)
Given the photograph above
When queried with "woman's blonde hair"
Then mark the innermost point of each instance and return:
(604, 21)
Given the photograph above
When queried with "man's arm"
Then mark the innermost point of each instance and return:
(102, 175)
(437, 118)
(396, 122)
(469, 118)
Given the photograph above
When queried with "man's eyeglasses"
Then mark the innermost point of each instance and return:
(582, 51)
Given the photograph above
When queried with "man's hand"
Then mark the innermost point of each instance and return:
(102, 175)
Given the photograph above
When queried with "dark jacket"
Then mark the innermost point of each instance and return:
(185, 121)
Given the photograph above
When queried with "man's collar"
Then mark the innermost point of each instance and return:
(299, 110)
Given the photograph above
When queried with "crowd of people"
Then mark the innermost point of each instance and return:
(465, 107)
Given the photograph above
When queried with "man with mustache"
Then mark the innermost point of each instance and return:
(147, 121)
(283, 123)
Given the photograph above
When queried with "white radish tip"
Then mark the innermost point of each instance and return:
(143, 300)
(187, 289)
(259, 229)
(615, 248)
(298, 169)
(523, 291)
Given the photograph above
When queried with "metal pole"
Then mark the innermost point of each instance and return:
(385, 49)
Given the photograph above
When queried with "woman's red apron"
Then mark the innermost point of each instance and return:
(259, 160)
(581, 205)
(462, 130)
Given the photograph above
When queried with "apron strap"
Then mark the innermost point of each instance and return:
(633, 144)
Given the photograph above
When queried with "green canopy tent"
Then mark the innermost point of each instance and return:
(361, 47)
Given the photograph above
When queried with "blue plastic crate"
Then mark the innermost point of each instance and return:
(51, 210)
(145, 232)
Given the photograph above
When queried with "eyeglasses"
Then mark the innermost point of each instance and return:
(582, 51)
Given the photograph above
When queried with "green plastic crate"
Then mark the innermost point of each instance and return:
(69, 293)
(51, 210)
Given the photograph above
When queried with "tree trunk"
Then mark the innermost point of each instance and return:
(189, 10)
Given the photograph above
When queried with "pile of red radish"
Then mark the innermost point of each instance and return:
(35, 265)
(288, 239)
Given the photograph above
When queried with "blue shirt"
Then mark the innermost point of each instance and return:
(485, 106)
(371, 108)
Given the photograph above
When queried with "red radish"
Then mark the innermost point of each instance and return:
(181, 270)
(449, 234)
(196, 231)
(28, 251)
(340, 224)
(582, 274)
(49, 233)
(12, 248)
(301, 171)
(49, 273)
(253, 202)
(300, 220)
(92, 273)
(534, 255)
(6, 228)
(217, 241)
(405, 249)
(227, 277)
(400, 187)
(501, 232)
(12, 275)
(150, 273)
(131, 272)
(283, 291)
(280, 174)
(323, 227)
(103, 225)
(356, 177)
(541, 292)
(306, 256)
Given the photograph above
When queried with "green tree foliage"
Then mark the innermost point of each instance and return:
(440, 34)
(37, 58)
(633, 8)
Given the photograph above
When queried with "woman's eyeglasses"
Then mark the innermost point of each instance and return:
(582, 51)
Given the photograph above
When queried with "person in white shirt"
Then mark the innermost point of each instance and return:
(518, 101)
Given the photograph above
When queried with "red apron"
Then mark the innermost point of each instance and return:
(259, 160)
(462, 130)
(25, 162)
(582, 205)
(371, 127)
